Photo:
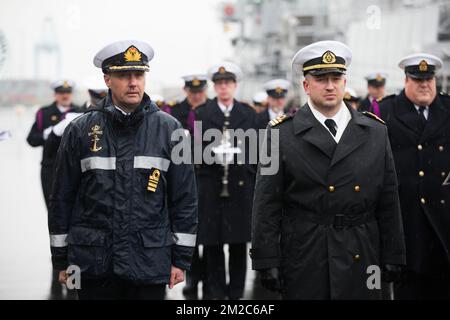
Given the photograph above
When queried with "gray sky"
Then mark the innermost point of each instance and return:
(186, 35)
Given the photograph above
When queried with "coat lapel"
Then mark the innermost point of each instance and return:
(237, 116)
(354, 136)
(406, 113)
(314, 132)
(215, 114)
(437, 117)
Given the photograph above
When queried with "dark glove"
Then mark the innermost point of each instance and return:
(391, 273)
(270, 279)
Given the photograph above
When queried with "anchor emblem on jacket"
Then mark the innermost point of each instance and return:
(95, 133)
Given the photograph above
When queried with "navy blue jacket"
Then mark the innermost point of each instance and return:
(120, 206)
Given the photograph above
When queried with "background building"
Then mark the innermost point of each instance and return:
(267, 33)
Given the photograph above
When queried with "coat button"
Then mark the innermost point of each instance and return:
(419, 147)
(241, 183)
(421, 173)
(441, 148)
(422, 200)
(331, 188)
(442, 201)
(357, 188)
(356, 257)
(443, 174)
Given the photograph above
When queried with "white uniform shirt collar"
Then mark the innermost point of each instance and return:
(425, 112)
(342, 118)
(224, 108)
(62, 109)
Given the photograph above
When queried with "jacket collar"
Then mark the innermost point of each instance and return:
(312, 131)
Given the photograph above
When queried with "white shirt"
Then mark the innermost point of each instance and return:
(273, 115)
(224, 107)
(62, 109)
(342, 118)
(425, 112)
(123, 112)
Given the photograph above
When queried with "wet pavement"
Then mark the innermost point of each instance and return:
(25, 265)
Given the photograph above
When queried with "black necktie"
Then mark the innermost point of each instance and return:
(422, 115)
(331, 125)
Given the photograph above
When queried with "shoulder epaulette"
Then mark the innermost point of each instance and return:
(373, 116)
(279, 120)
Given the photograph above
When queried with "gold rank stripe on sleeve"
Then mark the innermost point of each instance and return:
(373, 116)
(278, 120)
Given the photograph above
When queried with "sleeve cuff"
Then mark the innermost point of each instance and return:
(59, 263)
(182, 257)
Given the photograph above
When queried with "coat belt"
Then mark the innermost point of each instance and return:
(336, 220)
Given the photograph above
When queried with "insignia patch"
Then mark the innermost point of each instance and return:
(195, 82)
(328, 57)
(132, 54)
(373, 116)
(423, 66)
(153, 180)
(95, 132)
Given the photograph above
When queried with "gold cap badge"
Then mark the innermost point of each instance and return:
(132, 54)
(195, 82)
(423, 66)
(328, 57)
(222, 70)
(278, 90)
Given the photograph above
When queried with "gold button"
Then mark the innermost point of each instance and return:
(357, 188)
(421, 173)
(331, 188)
(441, 148)
(419, 147)
(442, 201)
(423, 200)
(241, 183)
(357, 257)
